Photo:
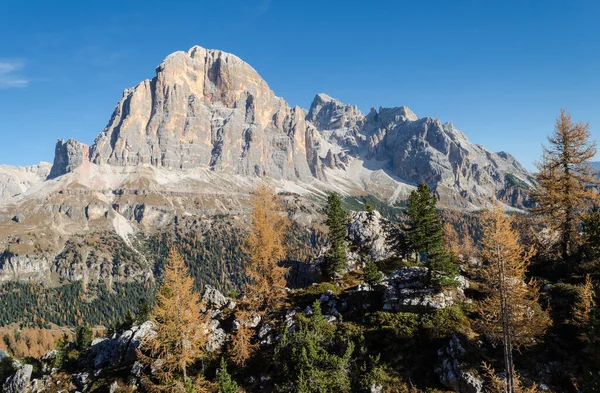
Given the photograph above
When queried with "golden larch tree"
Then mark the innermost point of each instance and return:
(181, 330)
(267, 278)
(266, 249)
(564, 178)
(510, 313)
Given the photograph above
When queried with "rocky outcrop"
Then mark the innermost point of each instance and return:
(408, 289)
(367, 237)
(68, 156)
(23, 268)
(19, 381)
(17, 180)
(454, 372)
(213, 298)
(121, 350)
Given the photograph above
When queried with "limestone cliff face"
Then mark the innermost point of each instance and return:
(418, 150)
(68, 156)
(207, 108)
(16, 180)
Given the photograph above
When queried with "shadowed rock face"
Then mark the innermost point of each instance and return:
(68, 156)
(207, 108)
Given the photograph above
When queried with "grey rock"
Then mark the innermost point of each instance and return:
(121, 350)
(264, 330)
(213, 298)
(376, 388)
(137, 369)
(3, 354)
(18, 180)
(216, 336)
(453, 371)
(19, 381)
(407, 289)
(80, 380)
(68, 156)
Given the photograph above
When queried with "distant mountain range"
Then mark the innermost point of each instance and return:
(193, 141)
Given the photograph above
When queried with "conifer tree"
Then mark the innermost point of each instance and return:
(425, 231)
(224, 382)
(564, 177)
(181, 331)
(83, 337)
(336, 257)
(265, 248)
(510, 312)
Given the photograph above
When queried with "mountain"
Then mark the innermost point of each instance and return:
(182, 151)
(17, 180)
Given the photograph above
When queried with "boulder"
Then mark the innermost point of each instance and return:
(213, 298)
(216, 336)
(19, 381)
(121, 350)
(408, 289)
(454, 372)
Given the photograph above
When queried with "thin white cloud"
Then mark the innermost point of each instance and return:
(263, 7)
(9, 74)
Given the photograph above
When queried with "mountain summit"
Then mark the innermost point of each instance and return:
(193, 141)
(209, 109)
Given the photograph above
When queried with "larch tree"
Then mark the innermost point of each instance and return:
(267, 278)
(181, 331)
(337, 218)
(564, 178)
(266, 249)
(510, 313)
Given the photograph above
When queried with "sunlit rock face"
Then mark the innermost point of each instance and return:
(207, 108)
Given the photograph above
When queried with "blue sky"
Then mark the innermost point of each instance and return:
(500, 71)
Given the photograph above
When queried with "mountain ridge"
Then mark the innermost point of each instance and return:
(192, 142)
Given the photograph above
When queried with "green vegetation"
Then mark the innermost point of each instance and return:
(224, 382)
(425, 233)
(313, 358)
(336, 257)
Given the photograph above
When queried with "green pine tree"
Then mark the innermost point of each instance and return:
(61, 351)
(314, 358)
(83, 337)
(224, 382)
(336, 257)
(425, 232)
(372, 275)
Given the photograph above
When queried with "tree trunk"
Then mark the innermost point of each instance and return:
(506, 339)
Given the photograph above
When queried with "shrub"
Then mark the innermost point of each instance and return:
(372, 276)
(445, 322)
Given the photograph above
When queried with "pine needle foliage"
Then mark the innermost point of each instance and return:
(181, 332)
(337, 218)
(425, 232)
(510, 312)
(224, 382)
(564, 178)
(312, 359)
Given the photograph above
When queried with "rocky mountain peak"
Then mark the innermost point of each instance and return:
(328, 113)
(68, 156)
(209, 110)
